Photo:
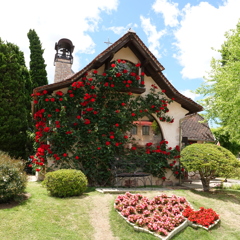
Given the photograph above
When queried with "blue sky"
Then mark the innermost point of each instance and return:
(180, 33)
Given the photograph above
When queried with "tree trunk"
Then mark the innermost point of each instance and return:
(206, 184)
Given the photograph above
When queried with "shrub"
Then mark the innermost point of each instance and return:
(65, 183)
(13, 179)
(210, 161)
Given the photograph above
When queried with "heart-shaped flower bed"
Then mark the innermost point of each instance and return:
(162, 216)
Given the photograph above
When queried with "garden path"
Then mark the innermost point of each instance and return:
(99, 216)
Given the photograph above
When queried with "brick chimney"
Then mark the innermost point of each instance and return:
(63, 59)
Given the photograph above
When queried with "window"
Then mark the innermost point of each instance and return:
(145, 130)
(134, 130)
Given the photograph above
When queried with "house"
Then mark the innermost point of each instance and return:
(132, 50)
(194, 129)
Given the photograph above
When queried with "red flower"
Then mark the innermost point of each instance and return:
(163, 91)
(126, 137)
(117, 125)
(98, 148)
(77, 157)
(87, 121)
(142, 82)
(113, 65)
(138, 65)
(30, 165)
(149, 144)
(57, 110)
(95, 71)
(104, 74)
(59, 93)
(133, 148)
(65, 154)
(38, 170)
(46, 129)
(78, 117)
(92, 87)
(71, 95)
(133, 114)
(163, 178)
(107, 143)
(123, 104)
(112, 137)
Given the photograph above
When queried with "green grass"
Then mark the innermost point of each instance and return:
(45, 217)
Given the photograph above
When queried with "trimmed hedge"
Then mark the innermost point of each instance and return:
(65, 183)
(13, 179)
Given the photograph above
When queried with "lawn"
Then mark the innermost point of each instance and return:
(91, 216)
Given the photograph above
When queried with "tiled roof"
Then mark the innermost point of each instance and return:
(195, 128)
(152, 67)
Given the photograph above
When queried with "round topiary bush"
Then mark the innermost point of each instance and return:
(13, 179)
(65, 182)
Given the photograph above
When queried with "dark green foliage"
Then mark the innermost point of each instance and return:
(38, 71)
(65, 183)
(14, 100)
(13, 179)
(209, 160)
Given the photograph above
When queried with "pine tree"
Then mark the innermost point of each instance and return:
(14, 100)
(38, 71)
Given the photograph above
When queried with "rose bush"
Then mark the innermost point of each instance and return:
(86, 126)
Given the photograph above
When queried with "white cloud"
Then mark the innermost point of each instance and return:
(202, 27)
(52, 21)
(169, 11)
(153, 35)
(122, 30)
(188, 93)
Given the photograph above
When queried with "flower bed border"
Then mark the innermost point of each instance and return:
(194, 225)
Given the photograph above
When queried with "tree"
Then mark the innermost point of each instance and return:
(223, 138)
(221, 87)
(14, 100)
(209, 161)
(38, 71)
